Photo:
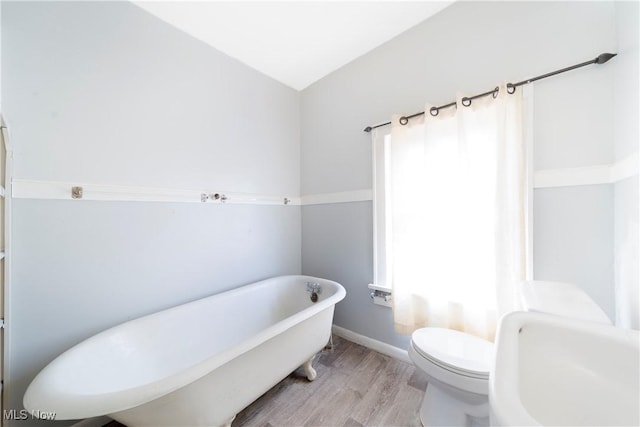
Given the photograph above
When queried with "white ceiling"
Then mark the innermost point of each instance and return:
(294, 42)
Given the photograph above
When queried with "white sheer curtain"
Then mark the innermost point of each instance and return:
(457, 201)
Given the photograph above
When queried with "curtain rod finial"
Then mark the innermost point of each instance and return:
(604, 57)
(368, 129)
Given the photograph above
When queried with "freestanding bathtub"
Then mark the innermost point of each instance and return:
(197, 364)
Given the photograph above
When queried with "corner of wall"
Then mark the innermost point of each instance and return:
(626, 144)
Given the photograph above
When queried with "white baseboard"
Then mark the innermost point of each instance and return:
(379, 346)
(93, 422)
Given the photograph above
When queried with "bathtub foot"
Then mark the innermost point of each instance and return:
(308, 369)
(228, 423)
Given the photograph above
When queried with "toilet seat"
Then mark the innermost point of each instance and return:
(454, 351)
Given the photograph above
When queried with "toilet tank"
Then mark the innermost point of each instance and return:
(561, 299)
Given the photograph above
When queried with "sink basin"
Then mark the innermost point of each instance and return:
(553, 371)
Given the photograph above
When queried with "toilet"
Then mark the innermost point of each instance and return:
(457, 367)
(457, 364)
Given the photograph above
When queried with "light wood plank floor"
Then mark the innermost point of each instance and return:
(355, 387)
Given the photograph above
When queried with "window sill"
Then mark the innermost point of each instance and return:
(382, 288)
(381, 295)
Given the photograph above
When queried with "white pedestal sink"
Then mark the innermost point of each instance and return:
(553, 371)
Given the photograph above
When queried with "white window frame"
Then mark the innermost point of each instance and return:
(381, 272)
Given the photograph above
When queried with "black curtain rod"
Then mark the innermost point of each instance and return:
(511, 88)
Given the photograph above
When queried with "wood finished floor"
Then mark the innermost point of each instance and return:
(355, 387)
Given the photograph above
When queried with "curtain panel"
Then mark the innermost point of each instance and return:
(457, 202)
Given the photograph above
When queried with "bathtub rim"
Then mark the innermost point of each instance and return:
(78, 405)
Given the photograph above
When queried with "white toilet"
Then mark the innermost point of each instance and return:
(457, 368)
(457, 364)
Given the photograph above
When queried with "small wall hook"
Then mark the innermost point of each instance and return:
(76, 192)
(220, 197)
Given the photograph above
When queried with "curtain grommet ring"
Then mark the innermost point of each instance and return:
(403, 120)
(511, 89)
(434, 111)
(466, 101)
(495, 92)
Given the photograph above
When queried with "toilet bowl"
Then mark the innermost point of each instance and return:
(457, 369)
(457, 364)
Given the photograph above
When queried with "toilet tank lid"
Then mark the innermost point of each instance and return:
(561, 299)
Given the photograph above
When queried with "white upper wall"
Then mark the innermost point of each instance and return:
(626, 82)
(468, 47)
(110, 107)
(0, 58)
(626, 141)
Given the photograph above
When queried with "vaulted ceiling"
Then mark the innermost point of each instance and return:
(294, 42)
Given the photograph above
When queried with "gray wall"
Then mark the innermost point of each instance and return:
(573, 239)
(469, 47)
(338, 244)
(626, 140)
(105, 93)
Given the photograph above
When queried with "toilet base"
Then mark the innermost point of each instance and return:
(440, 408)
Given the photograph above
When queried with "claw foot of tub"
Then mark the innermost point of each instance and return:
(308, 369)
(228, 423)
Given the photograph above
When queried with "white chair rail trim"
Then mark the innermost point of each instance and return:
(34, 189)
(588, 175)
(551, 178)
(340, 197)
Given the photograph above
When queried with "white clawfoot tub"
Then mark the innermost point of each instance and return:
(197, 364)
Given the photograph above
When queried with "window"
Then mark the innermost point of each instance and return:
(451, 212)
